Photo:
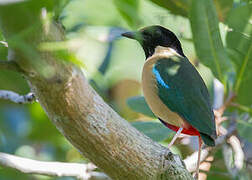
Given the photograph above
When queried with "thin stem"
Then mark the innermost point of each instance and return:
(227, 103)
(242, 107)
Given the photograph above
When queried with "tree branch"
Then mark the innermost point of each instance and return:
(16, 98)
(237, 153)
(80, 171)
(78, 112)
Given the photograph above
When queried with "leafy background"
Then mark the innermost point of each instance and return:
(216, 36)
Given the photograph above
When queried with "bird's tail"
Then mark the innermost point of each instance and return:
(208, 140)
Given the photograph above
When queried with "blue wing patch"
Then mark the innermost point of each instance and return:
(159, 78)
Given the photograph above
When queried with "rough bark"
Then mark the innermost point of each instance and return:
(77, 111)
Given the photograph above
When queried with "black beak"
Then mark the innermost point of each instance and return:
(131, 35)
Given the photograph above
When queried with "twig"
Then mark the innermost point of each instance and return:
(2, 2)
(80, 171)
(191, 161)
(238, 152)
(5, 44)
(10, 65)
(236, 146)
(14, 97)
(241, 107)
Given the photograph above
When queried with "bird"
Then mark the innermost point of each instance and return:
(173, 88)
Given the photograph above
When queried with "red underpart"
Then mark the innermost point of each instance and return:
(189, 130)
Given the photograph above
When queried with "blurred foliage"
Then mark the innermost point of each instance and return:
(155, 130)
(245, 127)
(215, 35)
(177, 7)
(129, 11)
(207, 39)
(239, 44)
(139, 105)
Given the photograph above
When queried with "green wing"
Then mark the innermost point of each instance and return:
(182, 90)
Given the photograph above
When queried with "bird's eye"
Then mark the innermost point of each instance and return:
(147, 35)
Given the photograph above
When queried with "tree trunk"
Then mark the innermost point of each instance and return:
(77, 111)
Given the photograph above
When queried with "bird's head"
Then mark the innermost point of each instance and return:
(152, 36)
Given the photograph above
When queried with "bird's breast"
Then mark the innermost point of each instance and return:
(150, 90)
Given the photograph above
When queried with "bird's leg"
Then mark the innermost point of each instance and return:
(175, 137)
(198, 162)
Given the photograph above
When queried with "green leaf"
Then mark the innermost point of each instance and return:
(1, 36)
(177, 7)
(155, 130)
(245, 129)
(239, 45)
(138, 104)
(207, 39)
(182, 7)
(91, 12)
(58, 8)
(129, 11)
(3, 48)
(3, 51)
(208, 78)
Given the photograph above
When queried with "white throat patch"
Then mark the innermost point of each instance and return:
(161, 52)
(166, 51)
